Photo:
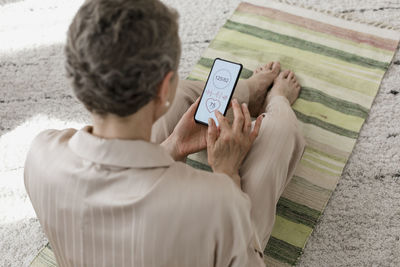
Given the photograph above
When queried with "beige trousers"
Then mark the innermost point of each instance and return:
(271, 162)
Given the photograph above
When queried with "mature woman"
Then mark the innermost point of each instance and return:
(117, 194)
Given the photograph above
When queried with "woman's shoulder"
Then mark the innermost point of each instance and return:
(51, 135)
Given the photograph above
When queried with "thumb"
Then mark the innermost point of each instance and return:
(192, 108)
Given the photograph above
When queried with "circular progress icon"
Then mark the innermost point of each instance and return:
(221, 79)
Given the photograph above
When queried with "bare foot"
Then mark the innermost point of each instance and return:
(259, 83)
(285, 85)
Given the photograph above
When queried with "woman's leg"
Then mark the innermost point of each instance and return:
(187, 93)
(271, 162)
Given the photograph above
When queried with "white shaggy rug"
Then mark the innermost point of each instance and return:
(361, 224)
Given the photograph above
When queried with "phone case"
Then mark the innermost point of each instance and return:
(233, 90)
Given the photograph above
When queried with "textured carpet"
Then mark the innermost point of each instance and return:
(361, 224)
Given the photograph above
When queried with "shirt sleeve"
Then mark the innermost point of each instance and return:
(237, 243)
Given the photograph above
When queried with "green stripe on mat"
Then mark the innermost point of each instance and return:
(296, 212)
(327, 126)
(337, 104)
(319, 152)
(305, 193)
(293, 233)
(282, 251)
(198, 165)
(304, 45)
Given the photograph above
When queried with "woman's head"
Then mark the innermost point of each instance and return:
(119, 51)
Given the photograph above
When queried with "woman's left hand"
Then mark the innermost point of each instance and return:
(188, 136)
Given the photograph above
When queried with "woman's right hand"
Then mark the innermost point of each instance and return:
(228, 145)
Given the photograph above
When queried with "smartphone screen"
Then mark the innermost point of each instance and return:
(218, 91)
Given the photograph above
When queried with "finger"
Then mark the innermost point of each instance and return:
(223, 123)
(247, 119)
(256, 129)
(192, 108)
(238, 117)
(211, 133)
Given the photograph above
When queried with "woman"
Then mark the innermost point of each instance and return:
(116, 194)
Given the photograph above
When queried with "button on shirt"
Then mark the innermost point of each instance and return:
(110, 202)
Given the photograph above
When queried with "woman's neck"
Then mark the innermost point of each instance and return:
(133, 127)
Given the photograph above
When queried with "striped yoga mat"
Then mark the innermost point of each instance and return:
(340, 65)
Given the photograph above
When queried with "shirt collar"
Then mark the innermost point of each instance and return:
(117, 152)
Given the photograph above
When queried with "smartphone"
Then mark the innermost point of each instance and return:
(218, 91)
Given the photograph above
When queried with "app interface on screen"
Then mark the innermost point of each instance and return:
(218, 90)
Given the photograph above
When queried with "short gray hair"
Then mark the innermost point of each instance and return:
(119, 51)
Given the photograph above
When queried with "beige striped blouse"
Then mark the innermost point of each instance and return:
(128, 203)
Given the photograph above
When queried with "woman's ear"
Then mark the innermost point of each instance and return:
(164, 89)
(165, 94)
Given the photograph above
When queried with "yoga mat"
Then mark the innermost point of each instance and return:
(340, 65)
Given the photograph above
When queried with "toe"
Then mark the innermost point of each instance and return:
(290, 75)
(269, 65)
(285, 74)
(276, 67)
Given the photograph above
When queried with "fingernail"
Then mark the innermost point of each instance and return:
(263, 115)
(209, 121)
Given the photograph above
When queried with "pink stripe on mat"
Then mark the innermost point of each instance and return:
(373, 40)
